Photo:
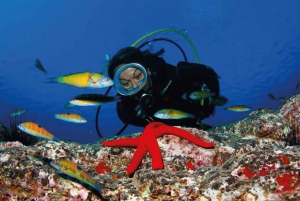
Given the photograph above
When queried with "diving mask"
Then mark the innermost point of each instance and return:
(130, 79)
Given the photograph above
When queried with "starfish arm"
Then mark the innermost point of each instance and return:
(125, 142)
(164, 130)
(154, 151)
(154, 125)
(138, 155)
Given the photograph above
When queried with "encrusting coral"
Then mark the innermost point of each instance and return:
(256, 158)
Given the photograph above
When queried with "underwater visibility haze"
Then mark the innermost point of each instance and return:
(254, 46)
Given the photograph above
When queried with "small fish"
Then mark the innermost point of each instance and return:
(18, 112)
(297, 85)
(238, 108)
(172, 114)
(271, 96)
(107, 59)
(199, 95)
(37, 131)
(39, 65)
(70, 168)
(282, 98)
(84, 80)
(69, 105)
(71, 117)
(220, 100)
(93, 99)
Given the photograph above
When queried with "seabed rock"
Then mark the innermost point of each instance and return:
(256, 158)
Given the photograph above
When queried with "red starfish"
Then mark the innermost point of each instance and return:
(147, 143)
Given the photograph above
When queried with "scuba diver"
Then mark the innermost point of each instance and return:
(153, 90)
(149, 89)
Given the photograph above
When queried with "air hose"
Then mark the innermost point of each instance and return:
(171, 30)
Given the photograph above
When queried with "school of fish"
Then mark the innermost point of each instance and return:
(98, 80)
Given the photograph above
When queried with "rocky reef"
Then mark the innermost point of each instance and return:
(256, 158)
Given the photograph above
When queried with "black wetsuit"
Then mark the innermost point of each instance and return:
(169, 84)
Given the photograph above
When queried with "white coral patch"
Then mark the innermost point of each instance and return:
(213, 194)
(13, 144)
(134, 198)
(103, 152)
(226, 149)
(235, 172)
(74, 192)
(4, 158)
(83, 193)
(127, 154)
(259, 192)
(51, 180)
(42, 174)
(189, 181)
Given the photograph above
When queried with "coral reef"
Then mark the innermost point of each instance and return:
(290, 110)
(256, 158)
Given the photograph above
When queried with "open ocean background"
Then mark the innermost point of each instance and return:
(253, 45)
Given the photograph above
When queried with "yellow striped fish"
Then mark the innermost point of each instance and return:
(172, 114)
(70, 168)
(238, 108)
(84, 80)
(71, 117)
(36, 130)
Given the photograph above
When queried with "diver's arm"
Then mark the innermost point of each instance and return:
(189, 73)
(127, 114)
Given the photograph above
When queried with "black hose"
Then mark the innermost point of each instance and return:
(165, 39)
(97, 113)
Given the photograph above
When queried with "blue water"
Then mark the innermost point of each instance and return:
(253, 45)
